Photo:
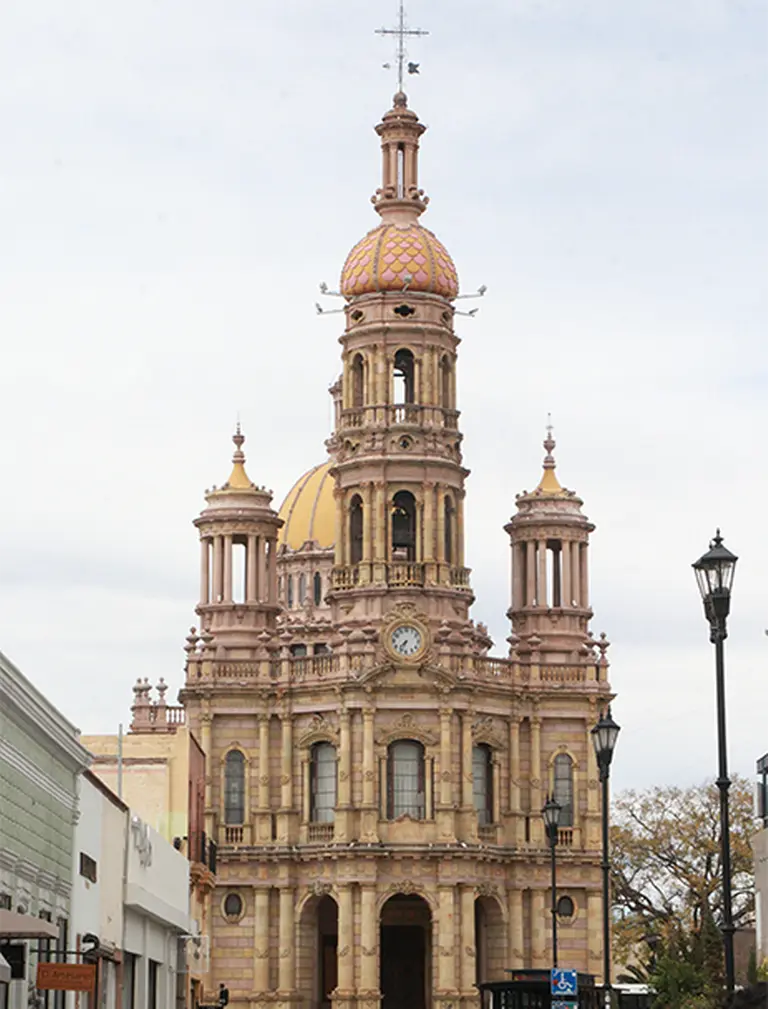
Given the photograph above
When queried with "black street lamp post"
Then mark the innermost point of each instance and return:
(714, 575)
(551, 815)
(604, 737)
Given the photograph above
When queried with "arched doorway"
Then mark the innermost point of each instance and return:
(316, 953)
(490, 940)
(406, 952)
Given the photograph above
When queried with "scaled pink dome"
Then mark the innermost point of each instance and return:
(381, 261)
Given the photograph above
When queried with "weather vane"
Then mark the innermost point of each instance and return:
(400, 34)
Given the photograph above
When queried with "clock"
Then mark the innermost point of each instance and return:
(406, 640)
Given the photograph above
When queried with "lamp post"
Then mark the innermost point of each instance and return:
(551, 816)
(714, 575)
(604, 737)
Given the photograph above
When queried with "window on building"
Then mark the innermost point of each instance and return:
(234, 788)
(565, 907)
(405, 785)
(355, 530)
(152, 984)
(322, 783)
(403, 526)
(302, 589)
(404, 375)
(233, 905)
(322, 649)
(563, 788)
(358, 381)
(88, 867)
(317, 583)
(6, 902)
(445, 381)
(482, 783)
(299, 650)
(289, 592)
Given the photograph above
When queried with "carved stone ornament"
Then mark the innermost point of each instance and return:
(406, 727)
(487, 890)
(469, 951)
(318, 731)
(319, 889)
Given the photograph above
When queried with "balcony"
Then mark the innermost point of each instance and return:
(400, 574)
(398, 415)
(236, 834)
(201, 849)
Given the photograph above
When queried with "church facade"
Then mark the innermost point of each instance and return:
(374, 776)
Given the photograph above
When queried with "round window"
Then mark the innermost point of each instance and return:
(233, 905)
(565, 908)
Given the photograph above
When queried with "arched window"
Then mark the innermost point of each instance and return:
(403, 526)
(404, 377)
(448, 514)
(234, 788)
(317, 587)
(358, 381)
(565, 907)
(563, 788)
(289, 592)
(356, 530)
(298, 651)
(302, 589)
(482, 783)
(445, 382)
(405, 780)
(322, 796)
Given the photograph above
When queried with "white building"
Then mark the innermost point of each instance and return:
(98, 876)
(156, 916)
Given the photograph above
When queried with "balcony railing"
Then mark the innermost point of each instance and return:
(398, 414)
(320, 832)
(399, 574)
(236, 834)
(200, 848)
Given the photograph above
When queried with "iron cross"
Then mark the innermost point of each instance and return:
(400, 33)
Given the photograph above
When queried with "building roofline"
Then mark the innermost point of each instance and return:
(96, 781)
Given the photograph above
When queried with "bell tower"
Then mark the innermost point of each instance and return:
(396, 447)
(549, 535)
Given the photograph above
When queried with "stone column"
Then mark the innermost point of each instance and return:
(567, 600)
(286, 814)
(369, 944)
(446, 784)
(429, 522)
(205, 742)
(515, 808)
(251, 568)
(538, 930)
(541, 588)
(228, 568)
(338, 499)
(344, 994)
(369, 813)
(287, 945)
(271, 593)
(536, 783)
(261, 571)
(467, 780)
(264, 812)
(261, 939)
(205, 589)
(218, 549)
(440, 524)
(446, 959)
(380, 525)
(468, 947)
(344, 796)
(575, 576)
(367, 490)
(515, 955)
(460, 529)
(584, 574)
(530, 573)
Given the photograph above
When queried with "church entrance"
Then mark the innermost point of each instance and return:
(406, 953)
(317, 972)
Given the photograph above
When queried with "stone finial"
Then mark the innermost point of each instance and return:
(161, 688)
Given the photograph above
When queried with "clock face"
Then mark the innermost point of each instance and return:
(406, 640)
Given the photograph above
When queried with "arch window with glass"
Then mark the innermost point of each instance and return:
(358, 381)
(406, 780)
(404, 377)
(562, 787)
(317, 588)
(298, 651)
(234, 788)
(322, 783)
(356, 530)
(302, 589)
(289, 592)
(482, 783)
(403, 526)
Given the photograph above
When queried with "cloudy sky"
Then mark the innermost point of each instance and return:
(176, 178)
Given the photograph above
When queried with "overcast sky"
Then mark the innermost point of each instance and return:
(176, 178)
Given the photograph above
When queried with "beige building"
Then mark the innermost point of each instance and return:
(374, 777)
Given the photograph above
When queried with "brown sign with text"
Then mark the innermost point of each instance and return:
(66, 976)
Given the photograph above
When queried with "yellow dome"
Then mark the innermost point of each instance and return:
(308, 511)
(390, 254)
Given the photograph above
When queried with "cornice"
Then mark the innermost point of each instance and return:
(46, 723)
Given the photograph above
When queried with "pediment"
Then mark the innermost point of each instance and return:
(427, 674)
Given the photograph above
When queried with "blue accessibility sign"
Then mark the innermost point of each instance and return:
(564, 984)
